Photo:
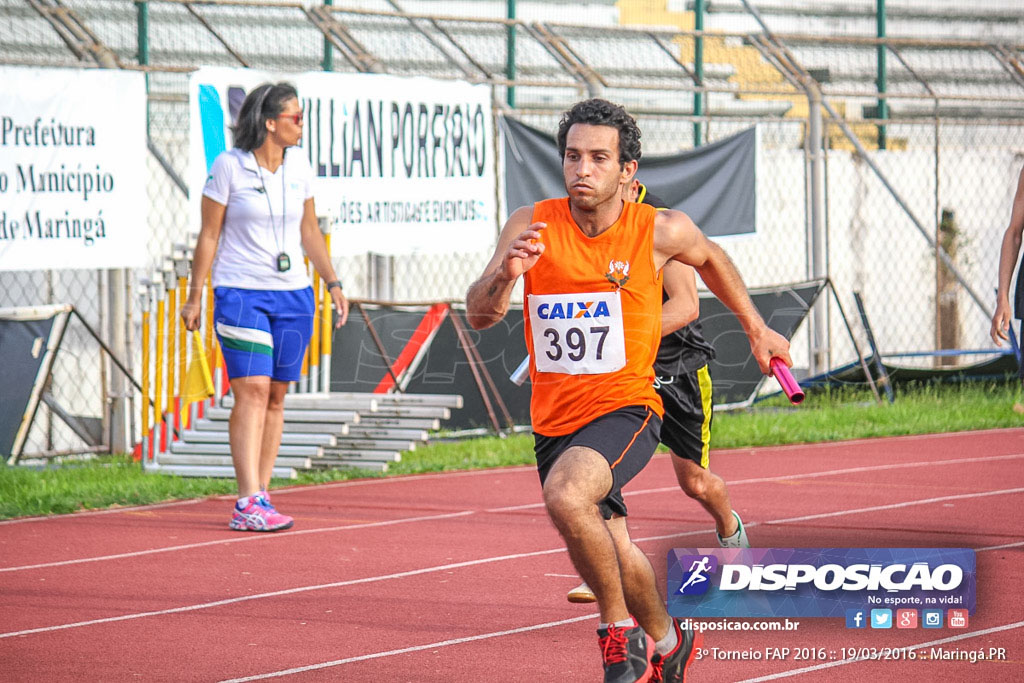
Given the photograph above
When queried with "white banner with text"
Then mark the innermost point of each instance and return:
(72, 169)
(401, 165)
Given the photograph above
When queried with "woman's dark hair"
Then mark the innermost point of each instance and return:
(598, 112)
(265, 102)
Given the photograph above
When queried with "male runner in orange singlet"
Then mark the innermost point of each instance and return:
(592, 270)
(684, 385)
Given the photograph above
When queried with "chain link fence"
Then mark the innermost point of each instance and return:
(949, 138)
(960, 192)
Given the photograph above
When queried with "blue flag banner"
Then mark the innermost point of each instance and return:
(817, 582)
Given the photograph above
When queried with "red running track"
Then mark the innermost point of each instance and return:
(460, 576)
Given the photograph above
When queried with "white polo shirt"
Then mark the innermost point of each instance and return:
(262, 220)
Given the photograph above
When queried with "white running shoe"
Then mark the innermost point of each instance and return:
(738, 539)
(581, 593)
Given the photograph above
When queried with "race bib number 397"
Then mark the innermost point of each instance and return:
(577, 334)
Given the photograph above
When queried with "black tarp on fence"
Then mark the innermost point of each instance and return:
(424, 348)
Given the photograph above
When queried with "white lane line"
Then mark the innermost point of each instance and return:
(524, 506)
(528, 468)
(856, 511)
(877, 439)
(805, 475)
(291, 489)
(1018, 544)
(386, 577)
(511, 508)
(847, 470)
(893, 506)
(932, 643)
(107, 511)
(513, 469)
(416, 648)
(537, 627)
(241, 539)
(286, 591)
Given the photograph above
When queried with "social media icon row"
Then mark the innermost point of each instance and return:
(905, 618)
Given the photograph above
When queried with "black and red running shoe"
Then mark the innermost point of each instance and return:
(672, 667)
(625, 655)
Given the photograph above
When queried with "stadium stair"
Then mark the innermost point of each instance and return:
(321, 431)
(749, 71)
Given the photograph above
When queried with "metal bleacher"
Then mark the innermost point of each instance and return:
(999, 21)
(937, 50)
(321, 430)
(948, 59)
(555, 62)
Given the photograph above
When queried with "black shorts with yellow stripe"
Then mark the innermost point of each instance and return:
(686, 428)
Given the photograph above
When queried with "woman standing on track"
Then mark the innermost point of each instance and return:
(1008, 255)
(257, 218)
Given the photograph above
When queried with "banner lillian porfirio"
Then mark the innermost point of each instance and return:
(401, 165)
(817, 582)
(72, 169)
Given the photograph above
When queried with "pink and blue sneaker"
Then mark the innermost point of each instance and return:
(259, 515)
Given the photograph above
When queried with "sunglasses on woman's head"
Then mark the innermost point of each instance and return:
(295, 118)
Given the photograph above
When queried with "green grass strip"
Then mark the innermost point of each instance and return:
(824, 417)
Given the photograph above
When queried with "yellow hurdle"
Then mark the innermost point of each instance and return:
(313, 353)
(304, 380)
(158, 372)
(182, 349)
(171, 315)
(326, 329)
(146, 452)
(211, 350)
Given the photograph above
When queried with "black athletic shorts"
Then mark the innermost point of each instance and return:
(687, 426)
(627, 438)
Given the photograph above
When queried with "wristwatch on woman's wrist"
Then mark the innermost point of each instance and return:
(334, 283)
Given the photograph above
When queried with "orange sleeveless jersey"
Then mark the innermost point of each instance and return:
(572, 262)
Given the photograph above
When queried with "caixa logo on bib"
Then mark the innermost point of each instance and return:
(573, 309)
(817, 582)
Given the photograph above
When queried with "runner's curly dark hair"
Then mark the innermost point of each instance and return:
(598, 112)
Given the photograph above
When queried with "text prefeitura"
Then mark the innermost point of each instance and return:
(81, 180)
(78, 179)
(39, 134)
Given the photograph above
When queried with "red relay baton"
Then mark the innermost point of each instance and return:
(786, 380)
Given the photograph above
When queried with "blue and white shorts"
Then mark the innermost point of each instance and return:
(263, 332)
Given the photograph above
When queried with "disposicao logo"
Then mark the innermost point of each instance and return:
(832, 577)
(823, 582)
(698, 577)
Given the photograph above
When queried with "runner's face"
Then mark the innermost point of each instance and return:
(591, 168)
